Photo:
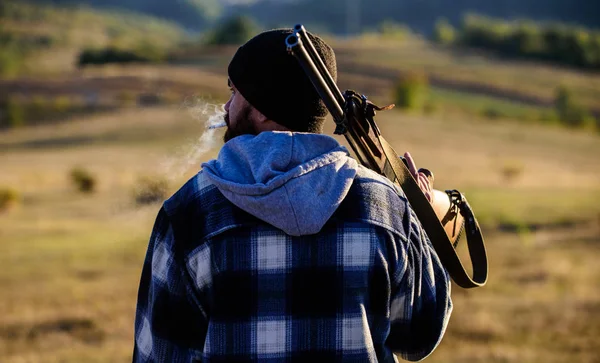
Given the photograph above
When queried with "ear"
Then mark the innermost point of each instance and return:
(258, 117)
(263, 123)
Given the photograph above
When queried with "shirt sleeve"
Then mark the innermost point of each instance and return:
(169, 324)
(420, 304)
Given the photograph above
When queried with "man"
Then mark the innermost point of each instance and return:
(284, 248)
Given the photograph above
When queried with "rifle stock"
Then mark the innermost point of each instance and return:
(354, 118)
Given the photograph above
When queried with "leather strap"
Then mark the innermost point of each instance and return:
(435, 231)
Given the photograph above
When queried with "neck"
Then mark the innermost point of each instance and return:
(269, 125)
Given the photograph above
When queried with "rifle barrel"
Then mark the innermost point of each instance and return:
(310, 48)
(330, 96)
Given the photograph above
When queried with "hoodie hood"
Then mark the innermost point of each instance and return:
(293, 181)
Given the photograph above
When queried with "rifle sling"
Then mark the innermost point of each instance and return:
(435, 231)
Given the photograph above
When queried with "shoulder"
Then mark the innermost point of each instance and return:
(199, 210)
(366, 176)
(374, 199)
(374, 185)
(193, 191)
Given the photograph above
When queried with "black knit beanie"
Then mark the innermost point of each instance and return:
(273, 81)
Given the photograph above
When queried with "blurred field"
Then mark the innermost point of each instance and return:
(71, 261)
(474, 68)
(469, 83)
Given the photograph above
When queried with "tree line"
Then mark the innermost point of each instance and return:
(554, 42)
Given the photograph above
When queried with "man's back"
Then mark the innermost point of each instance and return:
(223, 284)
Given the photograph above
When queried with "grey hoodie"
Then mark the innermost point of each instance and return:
(293, 181)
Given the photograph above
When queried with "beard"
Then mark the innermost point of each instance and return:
(243, 125)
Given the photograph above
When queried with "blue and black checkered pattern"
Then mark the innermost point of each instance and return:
(219, 285)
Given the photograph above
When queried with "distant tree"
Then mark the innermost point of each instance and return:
(525, 39)
(475, 31)
(419, 15)
(574, 46)
(235, 30)
(554, 37)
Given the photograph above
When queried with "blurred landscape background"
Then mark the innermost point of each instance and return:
(103, 112)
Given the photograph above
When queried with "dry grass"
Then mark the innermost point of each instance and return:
(531, 78)
(71, 262)
(539, 306)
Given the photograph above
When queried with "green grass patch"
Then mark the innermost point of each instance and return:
(487, 106)
(515, 209)
(531, 78)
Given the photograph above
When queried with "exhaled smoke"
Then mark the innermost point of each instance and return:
(191, 155)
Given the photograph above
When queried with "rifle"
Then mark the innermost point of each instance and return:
(354, 115)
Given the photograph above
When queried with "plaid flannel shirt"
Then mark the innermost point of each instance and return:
(219, 285)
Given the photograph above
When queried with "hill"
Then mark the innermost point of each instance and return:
(193, 14)
(340, 16)
(41, 38)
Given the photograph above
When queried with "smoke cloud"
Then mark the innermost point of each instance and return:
(191, 155)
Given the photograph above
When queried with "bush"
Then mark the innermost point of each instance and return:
(38, 108)
(411, 91)
(149, 99)
(492, 113)
(83, 180)
(151, 190)
(444, 33)
(11, 61)
(389, 29)
(113, 55)
(8, 198)
(62, 104)
(15, 113)
(234, 31)
(569, 112)
(511, 170)
(11, 55)
(563, 99)
(126, 98)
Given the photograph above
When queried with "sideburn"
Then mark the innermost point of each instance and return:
(243, 125)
